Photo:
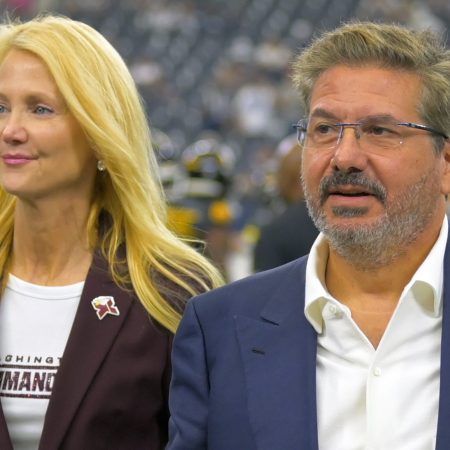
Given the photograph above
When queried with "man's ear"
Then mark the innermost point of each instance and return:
(445, 182)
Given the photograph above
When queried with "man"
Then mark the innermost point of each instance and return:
(347, 349)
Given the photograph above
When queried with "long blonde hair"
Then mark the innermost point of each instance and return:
(102, 96)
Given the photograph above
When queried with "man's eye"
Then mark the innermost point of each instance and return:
(379, 130)
(324, 128)
(3, 109)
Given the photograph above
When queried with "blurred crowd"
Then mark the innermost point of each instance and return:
(214, 75)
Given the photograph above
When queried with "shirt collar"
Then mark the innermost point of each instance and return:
(427, 279)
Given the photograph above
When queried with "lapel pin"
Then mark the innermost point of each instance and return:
(105, 305)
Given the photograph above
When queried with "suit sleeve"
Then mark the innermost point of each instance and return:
(189, 391)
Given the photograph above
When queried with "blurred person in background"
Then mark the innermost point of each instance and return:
(204, 212)
(173, 175)
(290, 234)
(289, 156)
(93, 282)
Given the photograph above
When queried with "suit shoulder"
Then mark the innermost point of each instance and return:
(248, 293)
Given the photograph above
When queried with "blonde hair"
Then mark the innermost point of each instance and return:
(388, 46)
(102, 96)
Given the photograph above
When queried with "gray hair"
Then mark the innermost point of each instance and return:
(388, 46)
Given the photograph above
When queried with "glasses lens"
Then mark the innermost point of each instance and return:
(373, 134)
(301, 131)
(380, 134)
(321, 134)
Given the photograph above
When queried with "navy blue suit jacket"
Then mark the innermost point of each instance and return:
(244, 367)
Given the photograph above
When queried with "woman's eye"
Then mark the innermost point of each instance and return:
(42, 110)
(3, 109)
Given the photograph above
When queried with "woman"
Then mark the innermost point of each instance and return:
(93, 283)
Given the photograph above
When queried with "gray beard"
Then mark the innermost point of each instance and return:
(369, 247)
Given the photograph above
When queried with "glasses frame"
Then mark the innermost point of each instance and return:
(302, 125)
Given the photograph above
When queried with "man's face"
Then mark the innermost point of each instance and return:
(372, 204)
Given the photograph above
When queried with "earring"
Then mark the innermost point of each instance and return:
(101, 167)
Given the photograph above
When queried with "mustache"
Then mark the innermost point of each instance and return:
(356, 179)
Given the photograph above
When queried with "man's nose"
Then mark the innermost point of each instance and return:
(348, 156)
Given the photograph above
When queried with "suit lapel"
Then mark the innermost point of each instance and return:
(88, 344)
(443, 431)
(280, 350)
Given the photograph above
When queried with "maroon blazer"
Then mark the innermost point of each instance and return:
(111, 389)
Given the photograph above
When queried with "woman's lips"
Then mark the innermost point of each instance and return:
(17, 160)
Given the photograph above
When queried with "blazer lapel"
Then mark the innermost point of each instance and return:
(5, 440)
(88, 344)
(443, 430)
(279, 356)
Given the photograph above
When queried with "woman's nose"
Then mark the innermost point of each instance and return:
(12, 129)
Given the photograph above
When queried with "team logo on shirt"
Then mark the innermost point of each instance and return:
(105, 305)
(27, 381)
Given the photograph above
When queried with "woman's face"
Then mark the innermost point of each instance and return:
(44, 153)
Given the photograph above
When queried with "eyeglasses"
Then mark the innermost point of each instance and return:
(372, 133)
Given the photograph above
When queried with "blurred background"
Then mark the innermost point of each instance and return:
(215, 77)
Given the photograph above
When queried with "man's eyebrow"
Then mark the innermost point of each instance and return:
(380, 118)
(384, 117)
(320, 112)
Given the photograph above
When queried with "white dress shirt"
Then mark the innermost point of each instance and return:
(384, 398)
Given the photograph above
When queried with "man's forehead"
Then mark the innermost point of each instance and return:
(365, 90)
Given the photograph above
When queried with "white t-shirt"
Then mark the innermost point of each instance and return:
(35, 322)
